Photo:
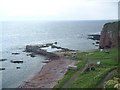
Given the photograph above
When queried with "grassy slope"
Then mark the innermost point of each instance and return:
(92, 78)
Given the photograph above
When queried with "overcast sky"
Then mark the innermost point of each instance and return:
(58, 9)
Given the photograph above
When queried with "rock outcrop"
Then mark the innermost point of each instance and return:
(37, 50)
(110, 35)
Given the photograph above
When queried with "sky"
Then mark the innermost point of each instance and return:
(58, 9)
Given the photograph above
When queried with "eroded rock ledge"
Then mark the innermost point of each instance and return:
(38, 49)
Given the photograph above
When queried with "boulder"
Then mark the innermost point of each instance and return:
(72, 67)
(15, 53)
(3, 59)
(2, 69)
(17, 67)
(16, 61)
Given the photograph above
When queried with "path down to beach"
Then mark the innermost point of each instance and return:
(73, 78)
(50, 74)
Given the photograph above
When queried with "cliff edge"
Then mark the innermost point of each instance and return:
(110, 35)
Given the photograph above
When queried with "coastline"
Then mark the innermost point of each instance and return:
(49, 75)
(52, 72)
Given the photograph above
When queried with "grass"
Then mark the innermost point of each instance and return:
(91, 79)
(69, 74)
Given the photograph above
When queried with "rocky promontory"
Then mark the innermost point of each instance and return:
(110, 35)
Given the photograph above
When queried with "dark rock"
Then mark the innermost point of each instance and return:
(15, 53)
(53, 46)
(49, 44)
(97, 42)
(59, 47)
(3, 59)
(2, 69)
(94, 36)
(30, 48)
(32, 55)
(17, 67)
(55, 42)
(28, 54)
(42, 46)
(24, 51)
(93, 43)
(16, 61)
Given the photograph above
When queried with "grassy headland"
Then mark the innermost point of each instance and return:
(91, 79)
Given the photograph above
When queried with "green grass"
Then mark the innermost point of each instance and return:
(92, 78)
(67, 76)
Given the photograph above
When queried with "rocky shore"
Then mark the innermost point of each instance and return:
(50, 74)
(52, 71)
(38, 49)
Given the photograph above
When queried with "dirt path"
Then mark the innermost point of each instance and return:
(76, 75)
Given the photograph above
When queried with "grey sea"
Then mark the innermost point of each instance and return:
(15, 35)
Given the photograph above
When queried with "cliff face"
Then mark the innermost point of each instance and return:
(110, 35)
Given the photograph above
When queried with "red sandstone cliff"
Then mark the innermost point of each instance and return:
(110, 35)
